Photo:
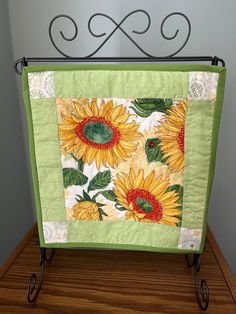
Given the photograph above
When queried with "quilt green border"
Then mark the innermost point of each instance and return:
(146, 67)
(214, 142)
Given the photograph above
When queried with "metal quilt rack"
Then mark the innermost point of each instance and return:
(35, 284)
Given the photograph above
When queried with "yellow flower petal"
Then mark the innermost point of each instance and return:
(138, 182)
(88, 110)
(123, 141)
(134, 184)
(170, 133)
(94, 107)
(80, 111)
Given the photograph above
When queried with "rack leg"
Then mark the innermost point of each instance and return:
(35, 284)
(202, 291)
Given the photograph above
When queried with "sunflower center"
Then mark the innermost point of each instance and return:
(181, 139)
(144, 202)
(98, 133)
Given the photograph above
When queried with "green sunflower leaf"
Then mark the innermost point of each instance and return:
(141, 113)
(102, 212)
(146, 106)
(108, 194)
(152, 150)
(81, 165)
(72, 176)
(119, 207)
(100, 180)
(100, 215)
(100, 204)
(80, 198)
(150, 103)
(86, 196)
(168, 103)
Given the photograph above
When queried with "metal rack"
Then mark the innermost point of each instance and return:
(34, 284)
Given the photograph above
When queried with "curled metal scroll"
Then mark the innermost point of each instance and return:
(61, 33)
(177, 31)
(118, 26)
(35, 282)
(201, 290)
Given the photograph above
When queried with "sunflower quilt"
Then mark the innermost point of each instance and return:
(123, 156)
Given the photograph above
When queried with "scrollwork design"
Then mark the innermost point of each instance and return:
(61, 33)
(35, 282)
(202, 291)
(118, 26)
(177, 31)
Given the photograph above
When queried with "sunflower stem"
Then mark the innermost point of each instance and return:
(80, 163)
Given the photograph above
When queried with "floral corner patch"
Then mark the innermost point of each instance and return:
(123, 159)
(55, 232)
(202, 85)
(190, 239)
(41, 85)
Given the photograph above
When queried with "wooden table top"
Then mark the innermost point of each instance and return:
(101, 281)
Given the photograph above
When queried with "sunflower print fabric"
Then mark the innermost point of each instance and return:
(123, 156)
(171, 134)
(123, 159)
(147, 199)
(99, 134)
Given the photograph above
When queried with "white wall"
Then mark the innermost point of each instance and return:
(213, 33)
(15, 200)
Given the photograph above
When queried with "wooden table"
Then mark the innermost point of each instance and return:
(98, 281)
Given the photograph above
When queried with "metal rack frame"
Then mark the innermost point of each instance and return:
(34, 284)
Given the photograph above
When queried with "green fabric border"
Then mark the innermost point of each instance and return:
(123, 232)
(48, 159)
(198, 126)
(214, 142)
(149, 67)
(118, 247)
(28, 113)
(125, 84)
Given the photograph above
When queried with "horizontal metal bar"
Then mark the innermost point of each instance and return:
(122, 59)
(24, 61)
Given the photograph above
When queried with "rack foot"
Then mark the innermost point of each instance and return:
(35, 284)
(202, 291)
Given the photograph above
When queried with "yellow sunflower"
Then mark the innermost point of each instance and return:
(139, 159)
(171, 134)
(85, 210)
(146, 198)
(99, 133)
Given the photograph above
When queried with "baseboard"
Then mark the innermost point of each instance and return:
(11, 259)
(229, 277)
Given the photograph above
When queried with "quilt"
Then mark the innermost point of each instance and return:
(123, 156)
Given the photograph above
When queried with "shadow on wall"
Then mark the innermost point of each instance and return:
(16, 205)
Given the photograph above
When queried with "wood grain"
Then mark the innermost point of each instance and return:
(11, 259)
(101, 281)
(229, 277)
